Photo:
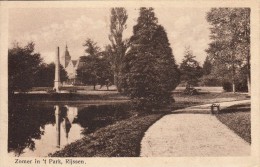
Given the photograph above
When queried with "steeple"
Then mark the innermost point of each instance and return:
(66, 58)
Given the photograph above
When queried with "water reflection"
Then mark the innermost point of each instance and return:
(67, 121)
(37, 130)
(32, 129)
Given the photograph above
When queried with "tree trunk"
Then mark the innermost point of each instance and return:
(116, 81)
(233, 87)
(233, 79)
(249, 85)
(248, 74)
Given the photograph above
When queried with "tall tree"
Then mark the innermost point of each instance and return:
(190, 69)
(150, 72)
(230, 46)
(118, 47)
(23, 65)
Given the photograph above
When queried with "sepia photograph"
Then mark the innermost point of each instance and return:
(147, 81)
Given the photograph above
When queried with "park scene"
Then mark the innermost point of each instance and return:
(125, 82)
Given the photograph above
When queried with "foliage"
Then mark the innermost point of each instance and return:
(97, 67)
(208, 79)
(149, 72)
(91, 47)
(230, 46)
(23, 66)
(95, 70)
(207, 66)
(46, 74)
(87, 73)
(118, 46)
(227, 86)
(190, 69)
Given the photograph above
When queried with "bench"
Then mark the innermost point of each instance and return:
(217, 106)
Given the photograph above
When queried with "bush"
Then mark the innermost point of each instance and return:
(240, 86)
(227, 86)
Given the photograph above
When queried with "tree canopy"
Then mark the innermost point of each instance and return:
(95, 68)
(46, 74)
(23, 66)
(190, 69)
(118, 46)
(26, 69)
(150, 72)
(230, 46)
(91, 47)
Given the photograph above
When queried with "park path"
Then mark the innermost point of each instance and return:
(193, 132)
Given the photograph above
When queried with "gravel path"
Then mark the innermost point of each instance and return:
(189, 134)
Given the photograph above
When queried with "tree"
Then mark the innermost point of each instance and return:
(46, 73)
(95, 70)
(207, 66)
(105, 72)
(96, 67)
(190, 69)
(230, 46)
(88, 72)
(23, 65)
(149, 72)
(208, 79)
(91, 47)
(118, 45)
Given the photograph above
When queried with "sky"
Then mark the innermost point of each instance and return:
(52, 27)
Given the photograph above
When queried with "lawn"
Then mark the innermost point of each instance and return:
(238, 119)
(123, 138)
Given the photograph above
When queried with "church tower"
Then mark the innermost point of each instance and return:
(65, 59)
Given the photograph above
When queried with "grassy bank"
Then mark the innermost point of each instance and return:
(65, 97)
(121, 139)
(238, 119)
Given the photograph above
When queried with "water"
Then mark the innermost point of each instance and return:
(40, 129)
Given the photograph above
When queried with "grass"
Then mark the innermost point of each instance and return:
(238, 119)
(123, 138)
(68, 88)
(205, 98)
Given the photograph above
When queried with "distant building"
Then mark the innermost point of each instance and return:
(70, 66)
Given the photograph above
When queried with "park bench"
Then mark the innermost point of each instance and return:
(217, 106)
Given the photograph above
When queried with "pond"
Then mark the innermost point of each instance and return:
(39, 129)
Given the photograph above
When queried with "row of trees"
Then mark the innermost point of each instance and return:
(143, 66)
(228, 60)
(96, 67)
(26, 69)
(229, 50)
